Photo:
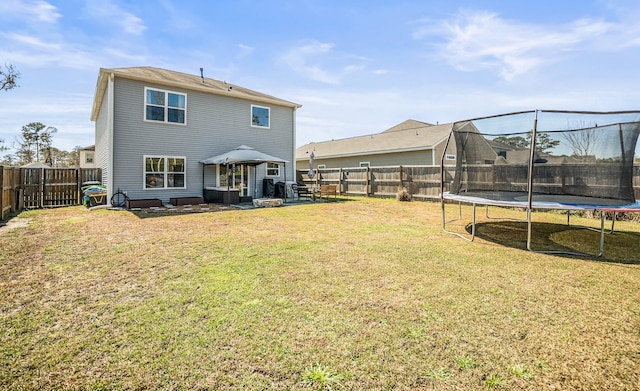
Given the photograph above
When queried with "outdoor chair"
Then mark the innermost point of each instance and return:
(302, 190)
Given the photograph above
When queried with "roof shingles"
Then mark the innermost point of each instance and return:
(409, 135)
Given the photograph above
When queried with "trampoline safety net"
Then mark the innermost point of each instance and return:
(575, 157)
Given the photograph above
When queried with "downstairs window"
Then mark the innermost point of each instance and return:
(164, 172)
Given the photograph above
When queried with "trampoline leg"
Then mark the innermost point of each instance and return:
(602, 233)
(473, 226)
(529, 229)
(444, 222)
(613, 220)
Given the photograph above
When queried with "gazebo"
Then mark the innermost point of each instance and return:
(241, 155)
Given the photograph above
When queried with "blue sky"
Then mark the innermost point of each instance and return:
(357, 67)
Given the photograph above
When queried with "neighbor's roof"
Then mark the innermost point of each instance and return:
(409, 135)
(180, 80)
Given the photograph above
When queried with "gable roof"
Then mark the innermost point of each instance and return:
(180, 80)
(410, 135)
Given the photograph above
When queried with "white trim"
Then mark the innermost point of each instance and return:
(267, 171)
(110, 120)
(165, 173)
(293, 152)
(364, 164)
(268, 116)
(166, 107)
(246, 174)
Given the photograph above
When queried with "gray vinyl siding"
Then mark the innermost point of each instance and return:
(411, 158)
(214, 125)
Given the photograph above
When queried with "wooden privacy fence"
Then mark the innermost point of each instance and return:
(423, 182)
(25, 188)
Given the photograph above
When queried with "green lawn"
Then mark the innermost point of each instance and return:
(360, 294)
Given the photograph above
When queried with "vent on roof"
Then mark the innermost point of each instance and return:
(202, 74)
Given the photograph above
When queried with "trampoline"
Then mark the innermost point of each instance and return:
(542, 159)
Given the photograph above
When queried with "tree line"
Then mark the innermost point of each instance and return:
(35, 142)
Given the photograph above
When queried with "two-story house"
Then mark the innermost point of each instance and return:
(153, 127)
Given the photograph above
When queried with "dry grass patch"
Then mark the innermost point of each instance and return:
(361, 294)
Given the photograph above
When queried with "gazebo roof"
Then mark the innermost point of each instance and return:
(243, 155)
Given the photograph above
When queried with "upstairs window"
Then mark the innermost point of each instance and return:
(88, 157)
(164, 172)
(260, 117)
(165, 106)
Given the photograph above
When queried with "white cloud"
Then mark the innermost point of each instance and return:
(38, 53)
(484, 41)
(32, 41)
(39, 11)
(353, 68)
(319, 62)
(112, 13)
(245, 50)
(299, 58)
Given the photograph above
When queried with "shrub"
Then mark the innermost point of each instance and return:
(403, 194)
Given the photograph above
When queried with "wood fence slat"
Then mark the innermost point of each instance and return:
(425, 181)
(26, 188)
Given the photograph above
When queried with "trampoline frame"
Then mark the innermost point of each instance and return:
(475, 202)
(530, 204)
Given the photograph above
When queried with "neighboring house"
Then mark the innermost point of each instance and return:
(155, 126)
(87, 157)
(408, 143)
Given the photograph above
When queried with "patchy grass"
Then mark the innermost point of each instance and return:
(359, 294)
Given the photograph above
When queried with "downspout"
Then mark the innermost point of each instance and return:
(110, 120)
(295, 167)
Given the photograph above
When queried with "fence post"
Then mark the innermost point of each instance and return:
(41, 180)
(340, 180)
(79, 186)
(15, 189)
(368, 181)
(401, 180)
(2, 195)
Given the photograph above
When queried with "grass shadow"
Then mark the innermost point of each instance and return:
(619, 246)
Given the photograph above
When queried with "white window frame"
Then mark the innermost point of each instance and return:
(365, 164)
(268, 116)
(88, 157)
(165, 173)
(166, 107)
(276, 168)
